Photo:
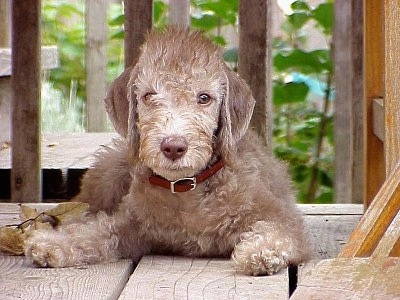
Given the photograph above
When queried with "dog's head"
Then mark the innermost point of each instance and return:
(180, 105)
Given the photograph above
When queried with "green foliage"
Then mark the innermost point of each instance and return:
(303, 129)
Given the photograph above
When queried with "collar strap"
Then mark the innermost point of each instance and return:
(188, 183)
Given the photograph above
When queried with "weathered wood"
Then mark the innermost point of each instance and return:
(374, 88)
(5, 23)
(158, 277)
(179, 12)
(138, 20)
(96, 64)
(25, 183)
(255, 59)
(66, 151)
(391, 79)
(19, 280)
(351, 278)
(48, 58)
(349, 119)
(376, 219)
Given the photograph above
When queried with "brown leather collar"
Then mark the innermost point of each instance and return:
(188, 183)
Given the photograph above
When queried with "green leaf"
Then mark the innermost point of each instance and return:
(300, 5)
(206, 22)
(315, 61)
(291, 92)
(323, 14)
(117, 21)
(298, 19)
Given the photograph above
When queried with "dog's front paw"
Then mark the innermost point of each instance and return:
(47, 250)
(262, 262)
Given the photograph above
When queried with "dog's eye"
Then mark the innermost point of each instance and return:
(147, 97)
(203, 99)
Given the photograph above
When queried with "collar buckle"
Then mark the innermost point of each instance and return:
(193, 184)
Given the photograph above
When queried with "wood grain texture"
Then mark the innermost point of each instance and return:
(392, 77)
(255, 60)
(159, 277)
(96, 63)
(349, 118)
(378, 112)
(374, 88)
(138, 20)
(25, 81)
(179, 12)
(351, 278)
(75, 151)
(20, 280)
(376, 219)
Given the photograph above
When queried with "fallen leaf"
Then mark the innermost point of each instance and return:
(66, 210)
(11, 241)
(27, 213)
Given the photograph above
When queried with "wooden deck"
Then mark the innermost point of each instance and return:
(64, 159)
(165, 277)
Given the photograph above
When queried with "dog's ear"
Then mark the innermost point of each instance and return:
(117, 102)
(132, 131)
(235, 114)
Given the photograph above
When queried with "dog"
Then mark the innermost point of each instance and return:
(187, 177)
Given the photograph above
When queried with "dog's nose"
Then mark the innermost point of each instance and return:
(174, 147)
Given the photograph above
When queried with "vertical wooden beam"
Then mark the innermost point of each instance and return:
(254, 63)
(373, 88)
(349, 118)
(5, 24)
(391, 82)
(179, 12)
(26, 179)
(138, 20)
(96, 64)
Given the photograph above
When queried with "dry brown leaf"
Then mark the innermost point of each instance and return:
(11, 240)
(27, 213)
(66, 210)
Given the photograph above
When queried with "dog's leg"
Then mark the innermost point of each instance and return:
(102, 238)
(267, 248)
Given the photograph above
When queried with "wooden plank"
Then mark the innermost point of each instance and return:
(349, 116)
(160, 277)
(376, 219)
(5, 23)
(378, 112)
(255, 59)
(48, 58)
(25, 178)
(351, 278)
(138, 20)
(329, 233)
(389, 244)
(391, 77)
(373, 88)
(179, 12)
(331, 209)
(66, 151)
(96, 64)
(20, 280)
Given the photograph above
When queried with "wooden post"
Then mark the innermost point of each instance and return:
(374, 88)
(349, 117)
(26, 175)
(138, 20)
(255, 61)
(96, 64)
(5, 26)
(391, 82)
(179, 12)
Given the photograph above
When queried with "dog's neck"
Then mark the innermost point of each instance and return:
(188, 183)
